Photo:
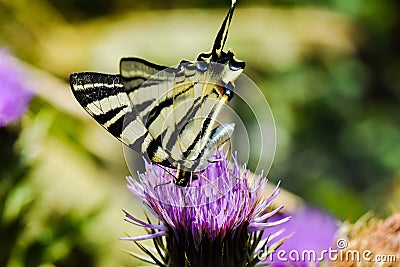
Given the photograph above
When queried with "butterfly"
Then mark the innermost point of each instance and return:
(167, 114)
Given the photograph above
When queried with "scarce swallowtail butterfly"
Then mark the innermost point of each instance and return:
(167, 114)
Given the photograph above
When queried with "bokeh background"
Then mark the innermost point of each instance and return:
(330, 71)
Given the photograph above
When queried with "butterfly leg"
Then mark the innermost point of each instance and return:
(211, 183)
(214, 160)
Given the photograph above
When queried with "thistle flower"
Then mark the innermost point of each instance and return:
(14, 94)
(218, 220)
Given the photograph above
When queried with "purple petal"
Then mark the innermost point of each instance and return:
(261, 226)
(143, 237)
(267, 215)
(140, 223)
(14, 93)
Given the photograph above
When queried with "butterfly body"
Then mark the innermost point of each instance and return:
(167, 114)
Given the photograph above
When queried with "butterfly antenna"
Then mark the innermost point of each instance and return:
(158, 185)
(222, 34)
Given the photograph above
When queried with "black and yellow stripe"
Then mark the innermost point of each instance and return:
(166, 114)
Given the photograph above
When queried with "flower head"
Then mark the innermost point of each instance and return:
(14, 94)
(217, 221)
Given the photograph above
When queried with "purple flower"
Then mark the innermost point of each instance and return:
(312, 231)
(14, 94)
(217, 221)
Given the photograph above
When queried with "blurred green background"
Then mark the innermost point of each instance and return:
(329, 69)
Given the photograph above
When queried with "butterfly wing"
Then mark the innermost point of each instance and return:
(195, 112)
(105, 98)
(168, 114)
(146, 85)
(178, 106)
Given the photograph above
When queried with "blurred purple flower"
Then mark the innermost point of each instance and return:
(312, 230)
(218, 220)
(14, 94)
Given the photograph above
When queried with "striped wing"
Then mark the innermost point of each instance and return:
(178, 106)
(166, 114)
(104, 97)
